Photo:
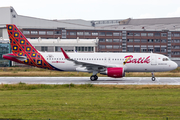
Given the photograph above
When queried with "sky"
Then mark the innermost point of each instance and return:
(95, 9)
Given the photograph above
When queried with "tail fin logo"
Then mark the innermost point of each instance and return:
(22, 47)
(10, 27)
(16, 34)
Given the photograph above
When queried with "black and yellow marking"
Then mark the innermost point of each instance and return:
(126, 61)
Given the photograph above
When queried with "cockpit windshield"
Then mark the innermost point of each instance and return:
(165, 59)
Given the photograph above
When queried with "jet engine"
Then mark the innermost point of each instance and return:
(115, 72)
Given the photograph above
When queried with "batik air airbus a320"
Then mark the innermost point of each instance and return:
(111, 64)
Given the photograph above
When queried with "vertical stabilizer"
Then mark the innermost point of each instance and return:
(20, 46)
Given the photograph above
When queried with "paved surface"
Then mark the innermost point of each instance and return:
(86, 80)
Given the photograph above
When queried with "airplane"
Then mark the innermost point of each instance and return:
(111, 64)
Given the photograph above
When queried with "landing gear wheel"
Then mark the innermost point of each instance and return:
(153, 78)
(94, 77)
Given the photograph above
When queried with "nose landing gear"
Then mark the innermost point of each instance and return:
(153, 77)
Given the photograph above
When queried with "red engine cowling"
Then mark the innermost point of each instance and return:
(115, 72)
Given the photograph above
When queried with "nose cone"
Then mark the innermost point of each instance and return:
(175, 65)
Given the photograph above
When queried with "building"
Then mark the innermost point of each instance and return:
(158, 35)
(4, 49)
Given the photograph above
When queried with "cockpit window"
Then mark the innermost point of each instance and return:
(165, 59)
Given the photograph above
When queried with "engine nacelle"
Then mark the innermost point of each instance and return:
(115, 72)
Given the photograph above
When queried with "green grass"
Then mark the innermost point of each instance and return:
(89, 102)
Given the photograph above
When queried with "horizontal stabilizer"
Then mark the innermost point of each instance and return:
(21, 58)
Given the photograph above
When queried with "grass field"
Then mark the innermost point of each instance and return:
(32, 71)
(89, 102)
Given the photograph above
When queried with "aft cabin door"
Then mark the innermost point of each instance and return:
(153, 60)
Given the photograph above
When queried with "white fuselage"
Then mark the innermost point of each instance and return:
(138, 62)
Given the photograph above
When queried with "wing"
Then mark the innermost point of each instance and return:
(93, 66)
(88, 65)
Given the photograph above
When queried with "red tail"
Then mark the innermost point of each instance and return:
(22, 49)
(19, 44)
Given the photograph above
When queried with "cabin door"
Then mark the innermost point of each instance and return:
(153, 60)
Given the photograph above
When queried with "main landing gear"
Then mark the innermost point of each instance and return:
(94, 77)
(153, 77)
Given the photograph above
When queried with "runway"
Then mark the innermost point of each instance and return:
(86, 80)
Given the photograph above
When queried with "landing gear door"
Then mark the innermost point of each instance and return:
(153, 60)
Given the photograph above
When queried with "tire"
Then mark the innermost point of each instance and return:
(153, 78)
(93, 77)
(96, 77)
